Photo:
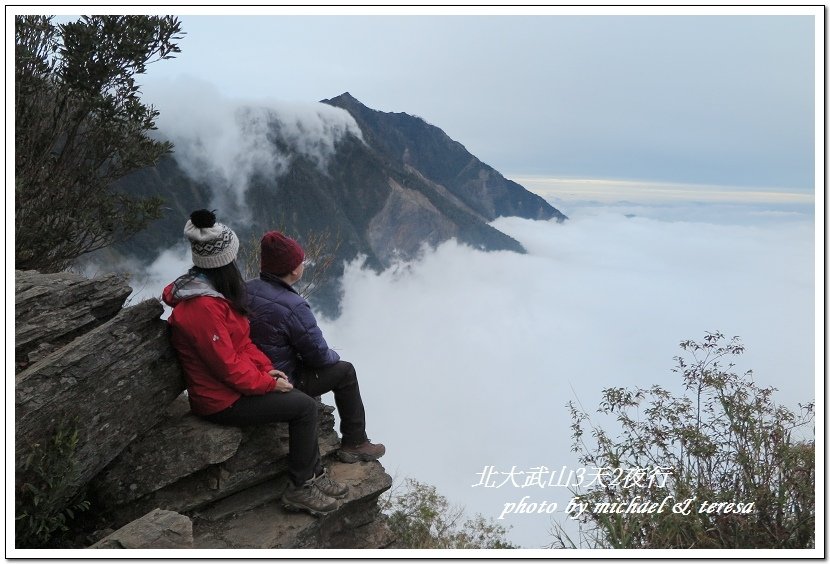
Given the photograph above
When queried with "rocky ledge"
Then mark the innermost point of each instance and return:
(156, 475)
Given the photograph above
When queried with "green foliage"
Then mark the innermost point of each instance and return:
(421, 518)
(723, 440)
(43, 508)
(80, 125)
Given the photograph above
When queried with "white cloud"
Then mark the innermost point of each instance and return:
(147, 282)
(169, 265)
(466, 358)
(224, 141)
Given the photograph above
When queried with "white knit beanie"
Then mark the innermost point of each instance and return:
(211, 244)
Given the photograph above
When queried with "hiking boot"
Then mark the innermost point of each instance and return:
(365, 451)
(308, 498)
(329, 487)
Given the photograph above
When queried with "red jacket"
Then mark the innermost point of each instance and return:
(213, 341)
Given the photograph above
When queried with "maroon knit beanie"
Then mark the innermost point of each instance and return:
(280, 254)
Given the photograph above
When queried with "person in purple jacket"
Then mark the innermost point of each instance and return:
(285, 329)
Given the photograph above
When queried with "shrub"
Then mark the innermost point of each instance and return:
(422, 518)
(80, 125)
(42, 508)
(723, 440)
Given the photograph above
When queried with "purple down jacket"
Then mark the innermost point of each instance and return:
(284, 328)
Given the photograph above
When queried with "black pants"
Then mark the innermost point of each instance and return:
(341, 379)
(296, 408)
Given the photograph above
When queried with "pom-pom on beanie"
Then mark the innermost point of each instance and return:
(280, 254)
(212, 244)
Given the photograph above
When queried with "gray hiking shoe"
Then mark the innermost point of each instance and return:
(365, 451)
(329, 487)
(308, 498)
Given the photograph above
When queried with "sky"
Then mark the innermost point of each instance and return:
(683, 149)
(702, 99)
(712, 96)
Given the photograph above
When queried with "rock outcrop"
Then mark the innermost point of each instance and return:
(157, 529)
(52, 309)
(110, 383)
(151, 469)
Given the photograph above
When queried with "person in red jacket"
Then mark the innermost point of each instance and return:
(229, 380)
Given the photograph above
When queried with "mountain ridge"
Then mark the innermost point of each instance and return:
(404, 184)
(444, 161)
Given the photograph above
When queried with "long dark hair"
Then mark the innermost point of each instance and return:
(228, 281)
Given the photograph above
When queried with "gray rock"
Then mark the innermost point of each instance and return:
(111, 384)
(239, 522)
(261, 456)
(172, 450)
(52, 309)
(112, 376)
(359, 511)
(157, 529)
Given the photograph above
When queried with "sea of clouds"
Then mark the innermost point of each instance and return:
(466, 359)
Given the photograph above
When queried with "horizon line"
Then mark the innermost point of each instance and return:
(616, 189)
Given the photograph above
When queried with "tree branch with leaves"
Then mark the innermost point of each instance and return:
(724, 440)
(80, 125)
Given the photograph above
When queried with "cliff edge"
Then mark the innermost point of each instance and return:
(154, 475)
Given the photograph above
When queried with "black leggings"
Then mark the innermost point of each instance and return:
(294, 407)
